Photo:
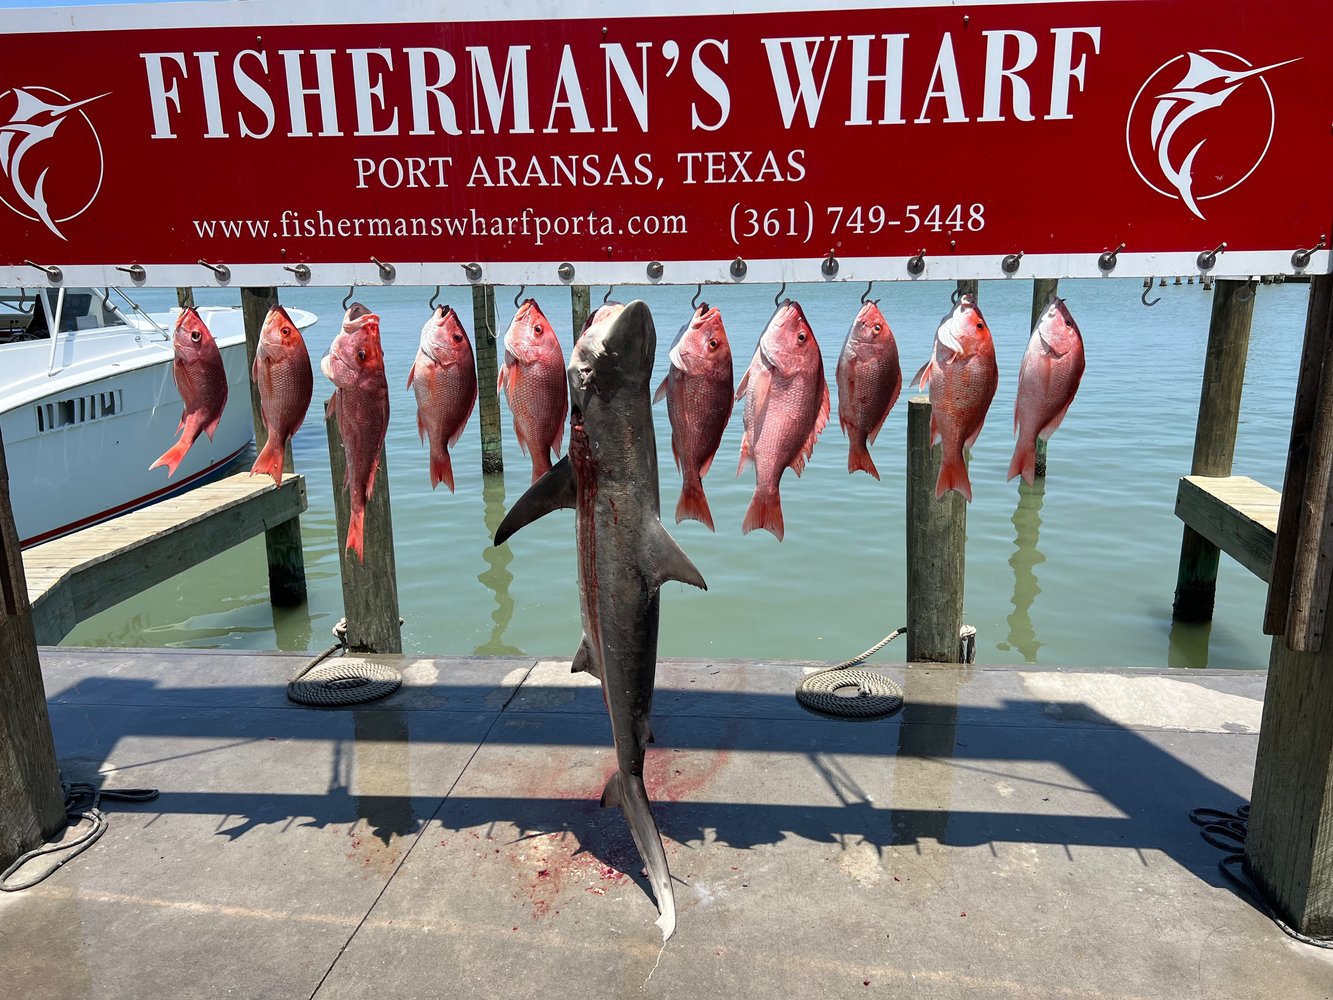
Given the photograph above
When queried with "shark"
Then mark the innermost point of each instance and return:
(624, 554)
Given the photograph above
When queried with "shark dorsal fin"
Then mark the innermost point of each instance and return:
(669, 562)
(553, 491)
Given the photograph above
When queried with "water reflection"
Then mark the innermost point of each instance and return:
(294, 628)
(1026, 558)
(497, 577)
(1187, 644)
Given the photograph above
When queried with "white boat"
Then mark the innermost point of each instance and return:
(86, 411)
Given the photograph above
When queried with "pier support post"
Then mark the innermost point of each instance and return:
(370, 588)
(32, 805)
(1042, 290)
(968, 286)
(282, 542)
(1215, 437)
(580, 300)
(184, 297)
(488, 371)
(936, 543)
(1289, 848)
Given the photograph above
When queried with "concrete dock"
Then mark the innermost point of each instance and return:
(1013, 833)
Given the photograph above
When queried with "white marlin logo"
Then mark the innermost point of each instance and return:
(1204, 86)
(34, 122)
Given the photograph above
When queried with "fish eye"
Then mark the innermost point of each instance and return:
(878, 327)
(538, 329)
(194, 335)
(712, 345)
(286, 331)
(361, 355)
(458, 338)
(800, 338)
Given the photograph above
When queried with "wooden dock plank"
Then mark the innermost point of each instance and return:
(75, 577)
(1236, 514)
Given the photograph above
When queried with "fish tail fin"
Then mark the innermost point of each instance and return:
(858, 455)
(541, 463)
(356, 533)
(693, 504)
(627, 791)
(174, 455)
(765, 512)
(1024, 461)
(269, 461)
(953, 475)
(441, 468)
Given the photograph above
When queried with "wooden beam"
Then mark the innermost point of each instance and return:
(73, 578)
(185, 297)
(580, 300)
(488, 371)
(1215, 437)
(936, 543)
(1042, 290)
(1316, 361)
(1235, 514)
(370, 588)
(282, 542)
(32, 805)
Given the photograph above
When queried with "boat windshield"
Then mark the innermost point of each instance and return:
(22, 318)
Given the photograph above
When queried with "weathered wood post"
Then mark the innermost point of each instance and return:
(370, 588)
(184, 297)
(1289, 849)
(488, 371)
(1042, 290)
(282, 542)
(1215, 437)
(580, 300)
(936, 541)
(968, 286)
(32, 805)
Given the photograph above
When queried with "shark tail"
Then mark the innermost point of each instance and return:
(627, 791)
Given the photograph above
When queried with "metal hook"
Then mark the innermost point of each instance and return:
(779, 295)
(434, 298)
(1147, 287)
(348, 297)
(23, 297)
(519, 294)
(955, 295)
(698, 290)
(607, 297)
(866, 294)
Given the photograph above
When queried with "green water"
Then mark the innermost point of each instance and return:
(1080, 573)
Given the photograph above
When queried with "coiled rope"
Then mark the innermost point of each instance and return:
(350, 683)
(1227, 831)
(876, 696)
(83, 803)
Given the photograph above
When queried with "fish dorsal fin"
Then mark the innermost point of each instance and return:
(669, 562)
(553, 491)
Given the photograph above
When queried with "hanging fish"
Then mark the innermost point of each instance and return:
(533, 379)
(445, 379)
(699, 402)
(962, 377)
(285, 381)
(360, 402)
(1047, 381)
(201, 380)
(869, 381)
(786, 407)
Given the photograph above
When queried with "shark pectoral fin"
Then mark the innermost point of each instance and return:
(669, 562)
(611, 793)
(553, 491)
(584, 662)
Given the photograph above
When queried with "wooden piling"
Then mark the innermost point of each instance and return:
(1215, 437)
(370, 588)
(282, 542)
(1289, 847)
(185, 297)
(936, 542)
(488, 371)
(32, 805)
(968, 286)
(580, 300)
(1042, 290)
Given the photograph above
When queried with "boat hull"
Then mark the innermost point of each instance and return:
(82, 454)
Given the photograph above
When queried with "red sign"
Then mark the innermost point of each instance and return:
(874, 142)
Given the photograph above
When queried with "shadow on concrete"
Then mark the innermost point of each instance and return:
(1144, 790)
